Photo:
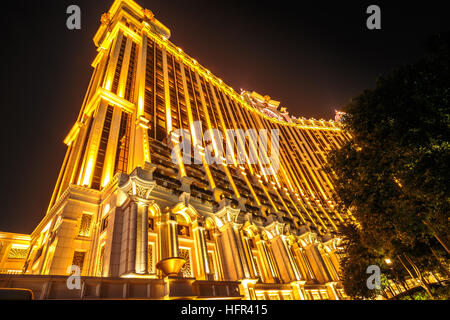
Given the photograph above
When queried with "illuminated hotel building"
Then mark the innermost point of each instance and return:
(121, 205)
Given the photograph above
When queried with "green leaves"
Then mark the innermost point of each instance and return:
(394, 174)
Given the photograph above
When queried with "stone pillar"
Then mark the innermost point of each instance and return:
(132, 225)
(332, 271)
(249, 253)
(302, 264)
(231, 259)
(115, 227)
(201, 251)
(318, 265)
(269, 270)
(334, 261)
(168, 236)
(173, 236)
(137, 188)
(237, 233)
(220, 257)
(288, 268)
(332, 292)
(63, 252)
(299, 290)
(142, 239)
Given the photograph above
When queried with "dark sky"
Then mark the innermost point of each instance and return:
(311, 55)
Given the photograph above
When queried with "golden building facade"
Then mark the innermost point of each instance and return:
(121, 204)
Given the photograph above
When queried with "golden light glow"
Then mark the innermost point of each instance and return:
(88, 173)
(113, 136)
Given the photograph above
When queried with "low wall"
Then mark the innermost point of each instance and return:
(55, 287)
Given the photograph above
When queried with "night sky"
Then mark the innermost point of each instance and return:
(310, 55)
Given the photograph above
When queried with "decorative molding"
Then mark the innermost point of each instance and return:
(137, 184)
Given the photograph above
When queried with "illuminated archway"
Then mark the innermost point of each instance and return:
(154, 216)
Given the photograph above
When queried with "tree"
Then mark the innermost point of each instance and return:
(393, 175)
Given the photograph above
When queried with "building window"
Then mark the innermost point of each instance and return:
(85, 225)
(183, 230)
(151, 258)
(121, 162)
(78, 259)
(151, 224)
(251, 242)
(209, 234)
(105, 222)
(186, 271)
(18, 252)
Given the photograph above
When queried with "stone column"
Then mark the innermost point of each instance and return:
(137, 187)
(249, 253)
(334, 261)
(332, 293)
(220, 270)
(303, 267)
(332, 271)
(63, 252)
(115, 227)
(132, 225)
(231, 260)
(239, 243)
(288, 268)
(168, 236)
(201, 250)
(318, 265)
(142, 239)
(269, 270)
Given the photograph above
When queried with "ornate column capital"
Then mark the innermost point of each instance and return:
(275, 227)
(138, 185)
(228, 214)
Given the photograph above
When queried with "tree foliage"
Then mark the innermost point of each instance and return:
(394, 173)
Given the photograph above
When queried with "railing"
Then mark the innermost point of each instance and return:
(395, 290)
(10, 271)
